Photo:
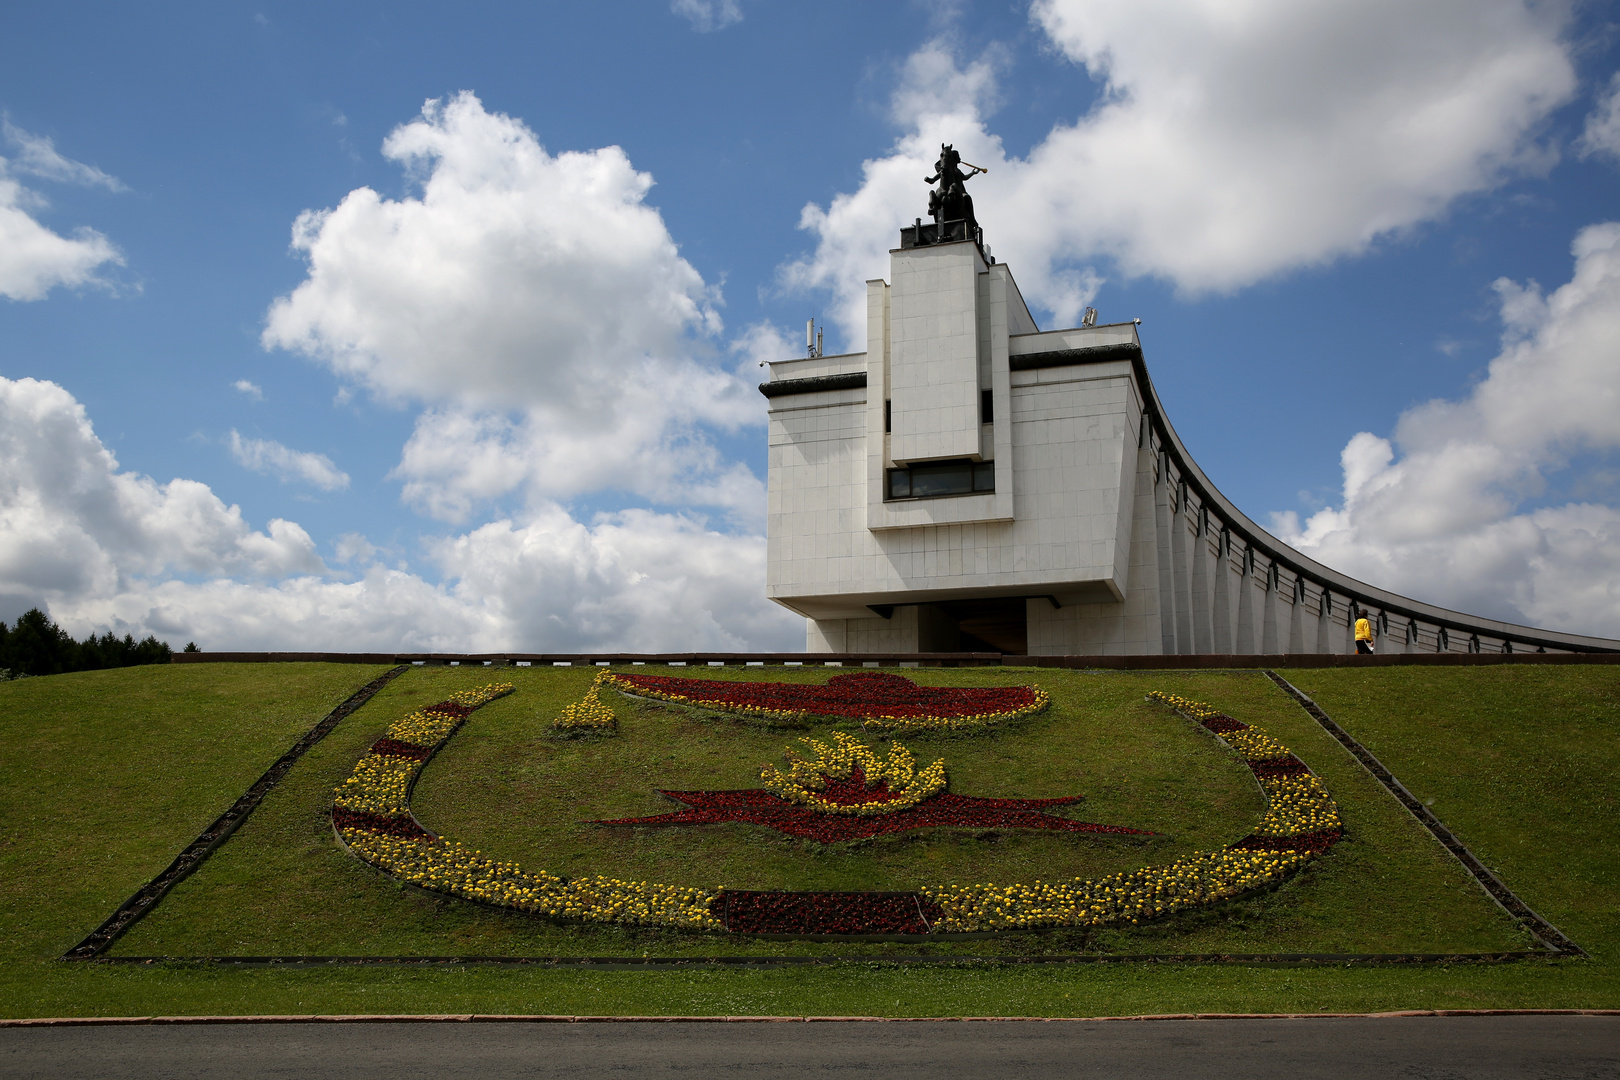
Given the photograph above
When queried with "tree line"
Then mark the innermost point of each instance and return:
(35, 645)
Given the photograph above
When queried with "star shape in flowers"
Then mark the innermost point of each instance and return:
(943, 810)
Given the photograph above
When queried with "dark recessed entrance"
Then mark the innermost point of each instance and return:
(999, 625)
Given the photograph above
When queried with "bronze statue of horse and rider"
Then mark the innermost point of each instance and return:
(950, 202)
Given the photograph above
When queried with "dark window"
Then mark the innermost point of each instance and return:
(888, 417)
(938, 478)
(987, 407)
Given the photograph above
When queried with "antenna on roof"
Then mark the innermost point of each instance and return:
(1090, 317)
(812, 338)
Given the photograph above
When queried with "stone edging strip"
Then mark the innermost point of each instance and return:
(147, 896)
(1545, 932)
(498, 1018)
(1173, 662)
(646, 963)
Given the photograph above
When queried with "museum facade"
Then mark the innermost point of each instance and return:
(972, 483)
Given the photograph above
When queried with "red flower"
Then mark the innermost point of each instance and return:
(857, 695)
(944, 810)
(747, 911)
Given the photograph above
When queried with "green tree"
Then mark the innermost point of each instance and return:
(35, 645)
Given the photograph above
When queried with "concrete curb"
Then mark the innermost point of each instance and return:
(476, 1018)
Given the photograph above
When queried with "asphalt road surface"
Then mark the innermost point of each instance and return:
(1441, 1047)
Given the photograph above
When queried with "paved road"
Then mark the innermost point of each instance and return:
(1475, 1048)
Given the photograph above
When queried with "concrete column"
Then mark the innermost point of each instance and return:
(1337, 627)
(1224, 616)
(1144, 626)
(1249, 597)
(1203, 588)
(1164, 526)
(826, 635)
(1181, 577)
(1296, 622)
(1271, 598)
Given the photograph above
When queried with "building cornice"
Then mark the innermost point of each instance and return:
(815, 384)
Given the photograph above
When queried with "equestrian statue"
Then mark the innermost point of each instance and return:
(950, 201)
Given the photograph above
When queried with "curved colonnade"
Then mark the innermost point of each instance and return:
(1230, 587)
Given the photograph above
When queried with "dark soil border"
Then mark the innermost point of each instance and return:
(643, 963)
(1550, 937)
(184, 864)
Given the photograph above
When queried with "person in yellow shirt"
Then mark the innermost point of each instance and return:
(1364, 634)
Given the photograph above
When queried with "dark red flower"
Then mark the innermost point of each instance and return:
(855, 695)
(395, 748)
(944, 810)
(401, 825)
(747, 911)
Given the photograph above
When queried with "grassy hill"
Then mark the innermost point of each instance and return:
(108, 774)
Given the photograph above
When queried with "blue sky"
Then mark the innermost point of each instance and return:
(495, 391)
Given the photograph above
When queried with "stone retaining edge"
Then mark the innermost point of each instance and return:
(1242, 661)
(538, 1018)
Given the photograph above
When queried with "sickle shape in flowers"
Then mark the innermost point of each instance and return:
(371, 817)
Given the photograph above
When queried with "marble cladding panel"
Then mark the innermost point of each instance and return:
(934, 353)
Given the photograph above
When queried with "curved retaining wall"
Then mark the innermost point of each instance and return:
(1292, 604)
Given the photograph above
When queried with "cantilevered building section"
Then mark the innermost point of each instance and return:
(971, 483)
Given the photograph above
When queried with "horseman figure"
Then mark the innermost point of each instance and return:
(950, 201)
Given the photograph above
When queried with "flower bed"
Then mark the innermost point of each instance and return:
(381, 782)
(592, 716)
(944, 810)
(446, 866)
(372, 817)
(747, 911)
(845, 777)
(826, 799)
(1301, 822)
(880, 700)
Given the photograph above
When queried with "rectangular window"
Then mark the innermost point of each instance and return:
(938, 478)
(987, 407)
(888, 416)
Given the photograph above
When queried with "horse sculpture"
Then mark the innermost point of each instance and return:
(950, 201)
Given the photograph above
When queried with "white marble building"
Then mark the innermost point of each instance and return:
(970, 483)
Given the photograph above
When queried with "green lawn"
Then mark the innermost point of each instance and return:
(1520, 762)
(108, 774)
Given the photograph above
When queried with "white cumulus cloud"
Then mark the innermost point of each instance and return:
(33, 259)
(73, 524)
(540, 308)
(1448, 510)
(637, 581)
(515, 276)
(1231, 141)
(284, 463)
(457, 459)
(102, 548)
(1601, 137)
(251, 389)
